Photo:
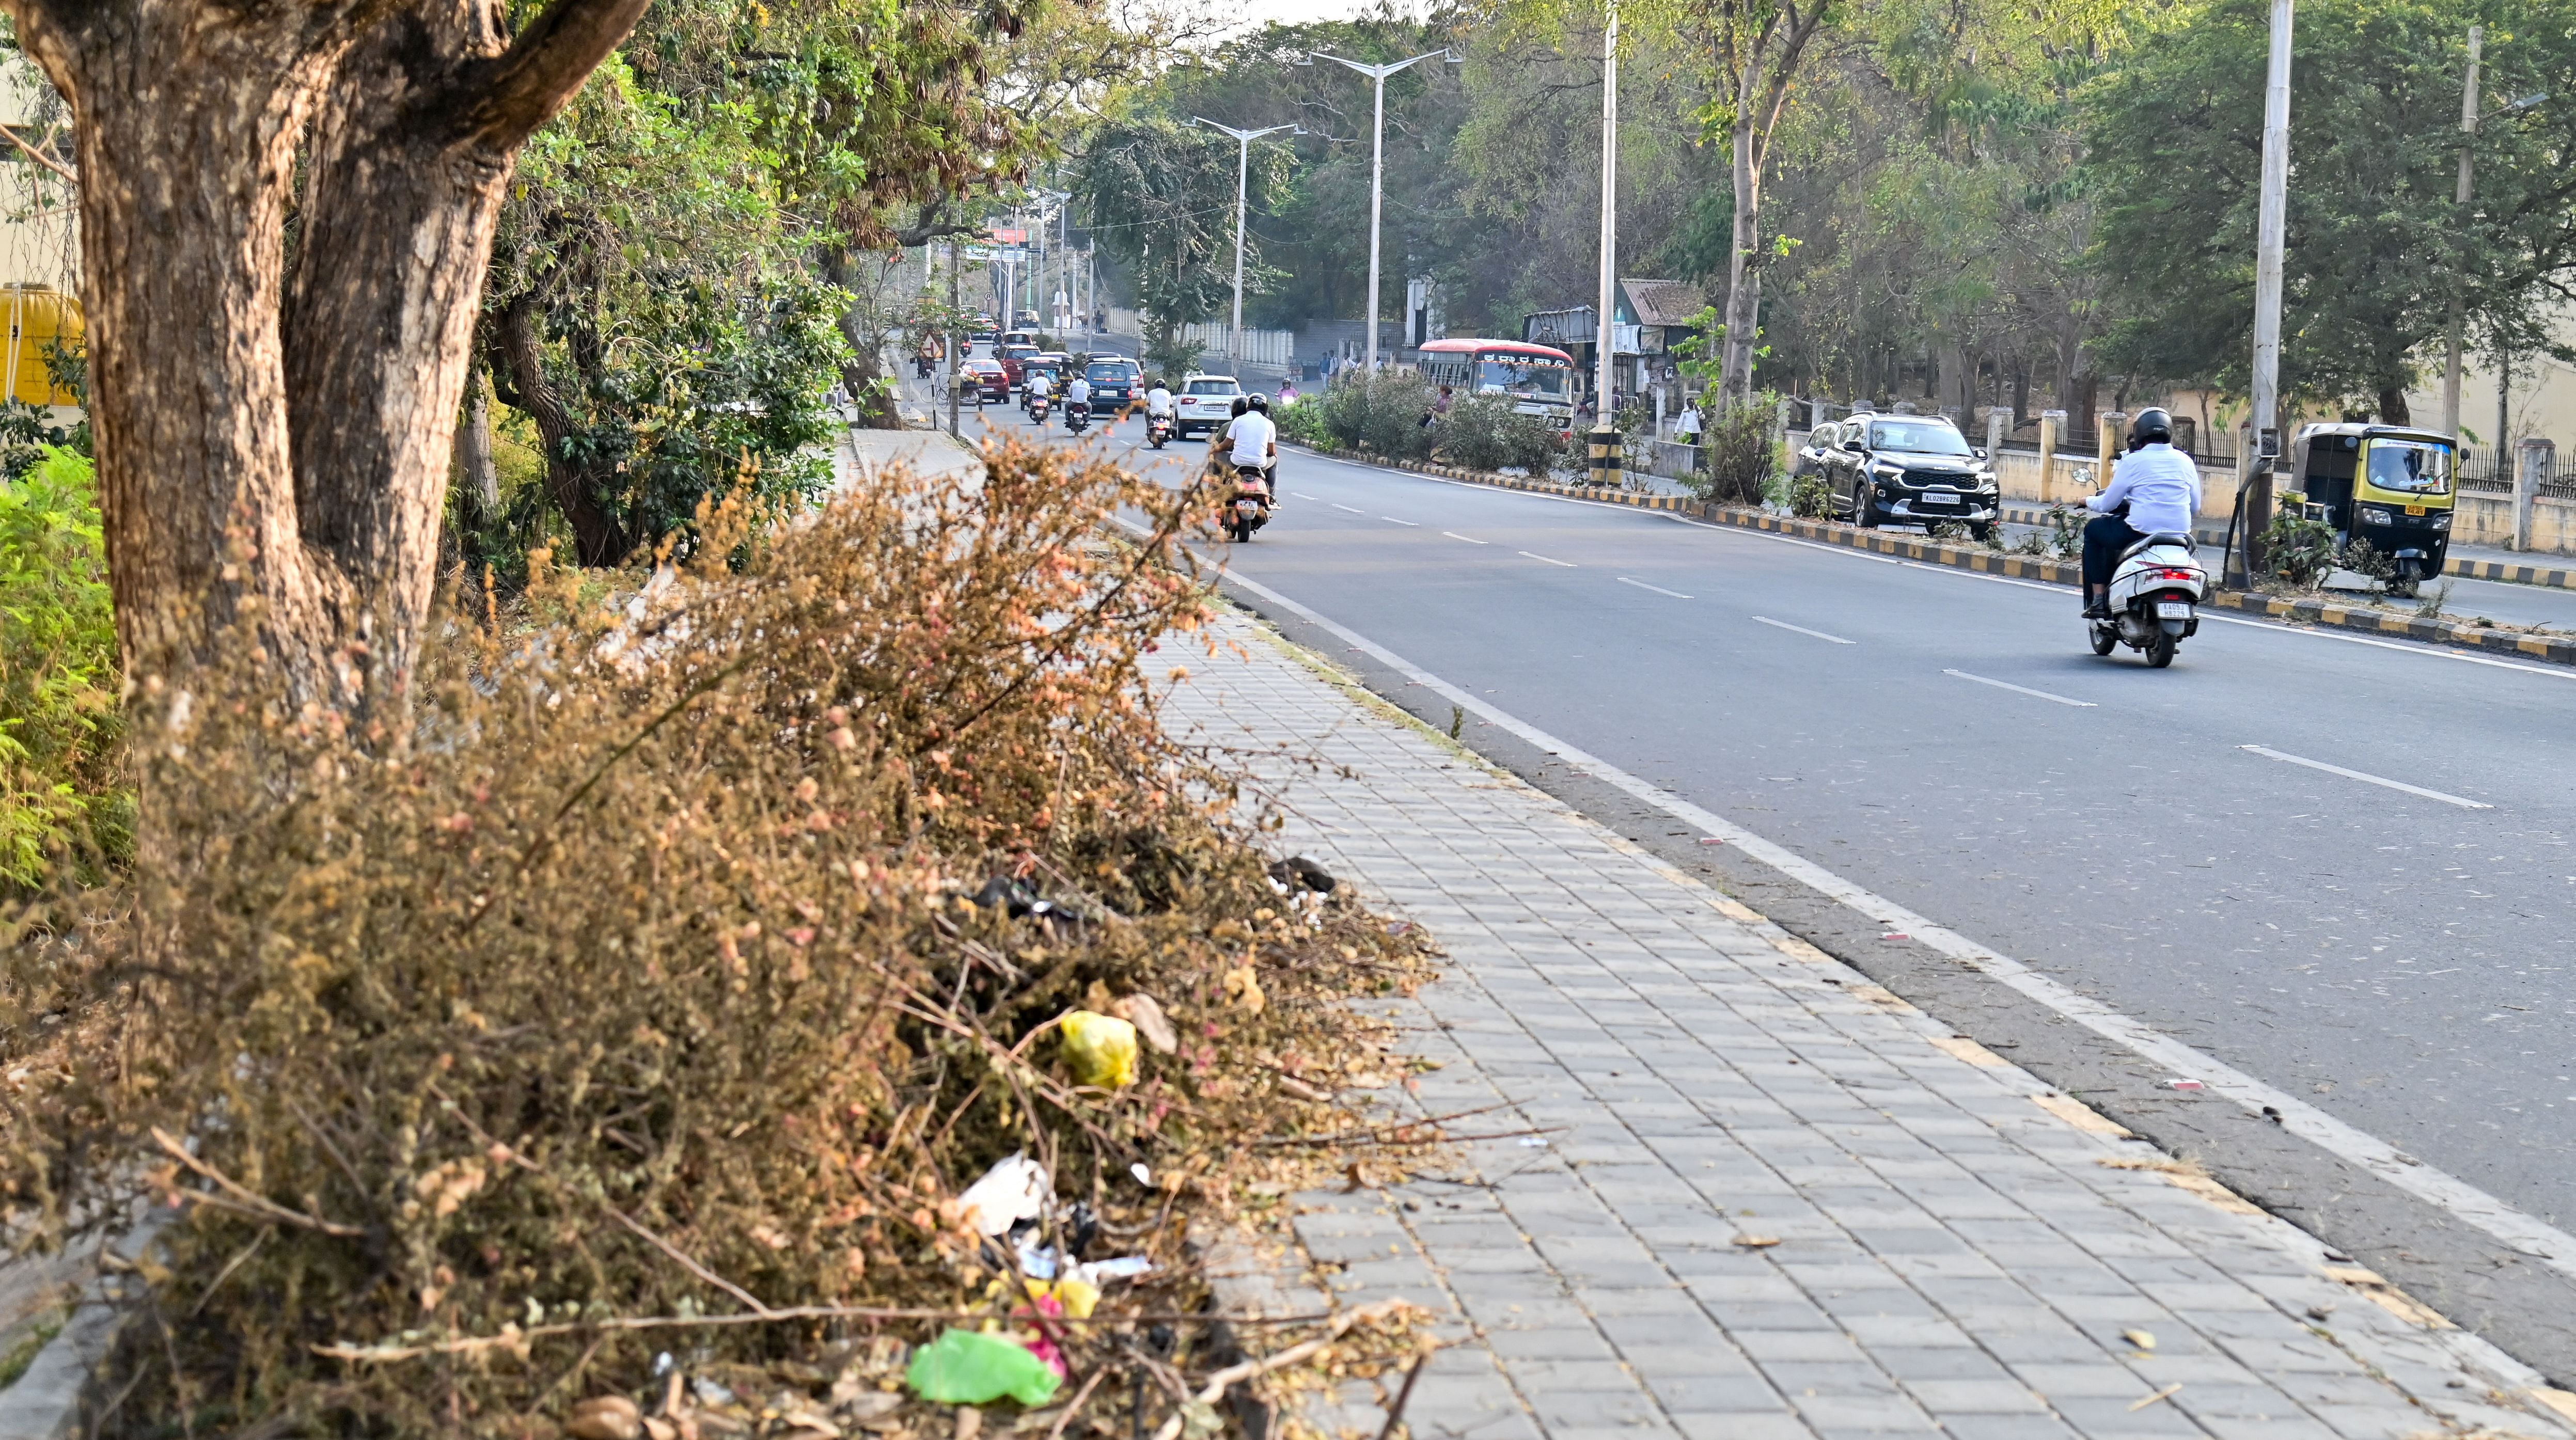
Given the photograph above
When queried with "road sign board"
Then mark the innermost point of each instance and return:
(1011, 237)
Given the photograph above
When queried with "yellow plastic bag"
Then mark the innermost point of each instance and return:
(1101, 1049)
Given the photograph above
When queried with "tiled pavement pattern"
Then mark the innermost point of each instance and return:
(1954, 1256)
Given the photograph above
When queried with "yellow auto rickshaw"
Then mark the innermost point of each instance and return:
(2387, 484)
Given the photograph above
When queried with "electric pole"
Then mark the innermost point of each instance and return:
(1605, 422)
(2468, 142)
(1377, 170)
(1242, 173)
(2271, 221)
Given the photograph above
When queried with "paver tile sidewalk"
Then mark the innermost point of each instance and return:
(1959, 1250)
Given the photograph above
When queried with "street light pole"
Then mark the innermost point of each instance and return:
(1242, 174)
(1605, 423)
(2468, 143)
(2271, 220)
(1377, 168)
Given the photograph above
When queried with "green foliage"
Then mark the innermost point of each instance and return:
(677, 335)
(59, 722)
(1303, 422)
(2376, 248)
(2301, 550)
(1161, 198)
(1811, 497)
(1483, 432)
(1740, 453)
(1382, 412)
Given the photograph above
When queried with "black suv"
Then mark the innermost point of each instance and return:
(1906, 470)
(1115, 384)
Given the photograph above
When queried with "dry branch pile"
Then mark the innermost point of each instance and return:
(681, 966)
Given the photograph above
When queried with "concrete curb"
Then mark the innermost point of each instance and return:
(2557, 650)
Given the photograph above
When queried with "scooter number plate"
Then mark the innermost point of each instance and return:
(2173, 610)
(1247, 507)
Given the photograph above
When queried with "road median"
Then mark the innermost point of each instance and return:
(2329, 614)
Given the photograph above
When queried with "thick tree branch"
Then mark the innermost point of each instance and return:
(545, 67)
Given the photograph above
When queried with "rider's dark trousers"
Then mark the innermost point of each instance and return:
(2104, 539)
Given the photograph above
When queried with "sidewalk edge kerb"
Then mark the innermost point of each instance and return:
(2557, 650)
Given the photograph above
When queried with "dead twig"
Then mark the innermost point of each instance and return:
(39, 156)
(244, 1197)
(1232, 1375)
(1395, 1412)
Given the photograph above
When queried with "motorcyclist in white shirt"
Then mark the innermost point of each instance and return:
(1039, 385)
(1256, 443)
(1158, 401)
(2157, 489)
(1077, 398)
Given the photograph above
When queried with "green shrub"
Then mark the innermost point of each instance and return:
(1303, 422)
(1740, 453)
(58, 675)
(1483, 432)
(1382, 413)
(2301, 550)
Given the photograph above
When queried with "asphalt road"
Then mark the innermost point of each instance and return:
(1946, 740)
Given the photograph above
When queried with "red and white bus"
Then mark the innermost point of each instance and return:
(1536, 379)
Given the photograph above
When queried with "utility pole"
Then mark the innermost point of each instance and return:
(1377, 169)
(1242, 173)
(1605, 422)
(2468, 143)
(954, 355)
(2271, 221)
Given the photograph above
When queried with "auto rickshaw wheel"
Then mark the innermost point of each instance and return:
(2408, 579)
(2160, 650)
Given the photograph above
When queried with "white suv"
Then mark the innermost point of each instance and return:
(1205, 402)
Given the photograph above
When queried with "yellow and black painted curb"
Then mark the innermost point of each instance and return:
(2556, 649)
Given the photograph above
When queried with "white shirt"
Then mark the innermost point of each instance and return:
(1688, 424)
(2161, 486)
(1078, 393)
(1158, 401)
(1039, 384)
(1252, 432)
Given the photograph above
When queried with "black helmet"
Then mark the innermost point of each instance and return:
(1257, 401)
(1242, 403)
(2153, 426)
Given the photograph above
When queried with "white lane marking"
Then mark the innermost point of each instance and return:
(1454, 535)
(1338, 505)
(2556, 672)
(2522, 1232)
(2446, 798)
(1302, 495)
(1658, 589)
(1416, 524)
(2024, 689)
(1568, 564)
(1803, 630)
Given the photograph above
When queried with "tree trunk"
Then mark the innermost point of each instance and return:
(2392, 406)
(863, 374)
(1743, 273)
(597, 537)
(264, 457)
(185, 119)
(474, 468)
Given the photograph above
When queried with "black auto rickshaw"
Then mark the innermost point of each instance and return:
(2387, 484)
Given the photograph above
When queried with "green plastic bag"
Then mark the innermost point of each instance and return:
(968, 1367)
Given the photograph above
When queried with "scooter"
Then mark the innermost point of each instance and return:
(1251, 508)
(1076, 415)
(1158, 430)
(1038, 408)
(2154, 599)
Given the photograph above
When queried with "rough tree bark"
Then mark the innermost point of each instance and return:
(266, 458)
(1758, 46)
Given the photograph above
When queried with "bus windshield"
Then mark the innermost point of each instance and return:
(2410, 467)
(1527, 379)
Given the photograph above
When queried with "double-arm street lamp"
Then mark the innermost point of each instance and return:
(1377, 165)
(1242, 170)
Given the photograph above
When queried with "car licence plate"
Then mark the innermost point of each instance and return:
(1940, 497)
(2173, 610)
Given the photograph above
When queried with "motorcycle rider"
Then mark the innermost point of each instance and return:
(2155, 487)
(1077, 400)
(1255, 439)
(1039, 387)
(1158, 401)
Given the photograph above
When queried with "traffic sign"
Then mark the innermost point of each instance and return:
(1011, 237)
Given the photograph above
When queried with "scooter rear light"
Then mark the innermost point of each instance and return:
(2178, 574)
